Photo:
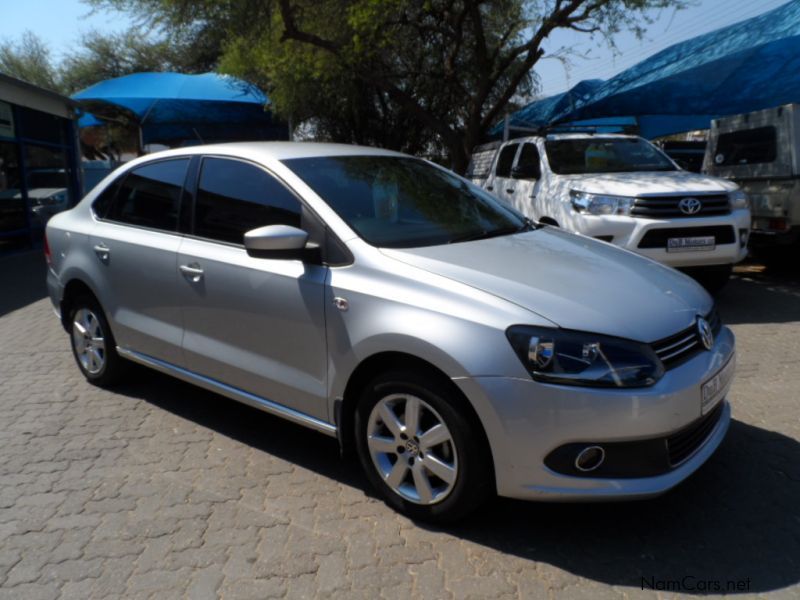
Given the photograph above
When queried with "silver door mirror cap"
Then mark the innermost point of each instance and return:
(275, 237)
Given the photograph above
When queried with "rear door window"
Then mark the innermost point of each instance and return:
(234, 197)
(150, 195)
(505, 160)
(747, 147)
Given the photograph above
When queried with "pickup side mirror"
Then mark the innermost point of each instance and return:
(529, 171)
(279, 241)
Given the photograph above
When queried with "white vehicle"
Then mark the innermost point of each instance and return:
(761, 152)
(623, 190)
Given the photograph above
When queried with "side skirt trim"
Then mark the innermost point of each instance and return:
(231, 392)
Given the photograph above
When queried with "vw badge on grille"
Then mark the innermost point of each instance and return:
(690, 206)
(705, 333)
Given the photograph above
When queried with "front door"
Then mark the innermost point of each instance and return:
(525, 187)
(255, 324)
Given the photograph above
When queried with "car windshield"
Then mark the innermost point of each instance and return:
(604, 155)
(397, 202)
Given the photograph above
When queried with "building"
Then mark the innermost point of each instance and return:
(39, 160)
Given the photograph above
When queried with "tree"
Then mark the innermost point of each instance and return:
(416, 75)
(29, 60)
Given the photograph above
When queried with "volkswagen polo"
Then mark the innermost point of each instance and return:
(460, 349)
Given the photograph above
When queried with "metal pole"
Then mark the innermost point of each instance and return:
(506, 122)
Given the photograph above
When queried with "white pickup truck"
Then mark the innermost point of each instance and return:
(623, 190)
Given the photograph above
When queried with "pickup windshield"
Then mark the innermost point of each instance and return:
(396, 202)
(604, 155)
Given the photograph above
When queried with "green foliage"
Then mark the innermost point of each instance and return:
(29, 60)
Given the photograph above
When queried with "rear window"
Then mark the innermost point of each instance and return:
(149, 196)
(505, 161)
(746, 147)
(480, 164)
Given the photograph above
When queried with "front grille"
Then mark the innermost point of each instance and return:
(666, 207)
(657, 238)
(684, 443)
(678, 348)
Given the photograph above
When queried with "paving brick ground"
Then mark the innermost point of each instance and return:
(161, 490)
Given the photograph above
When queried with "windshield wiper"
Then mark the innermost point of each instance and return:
(483, 234)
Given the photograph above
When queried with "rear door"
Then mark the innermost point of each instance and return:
(135, 245)
(255, 324)
(502, 185)
(526, 185)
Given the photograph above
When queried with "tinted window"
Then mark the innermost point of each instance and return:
(234, 197)
(150, 195)
(747, 147)
(529, 156)
(104, 200)
(404, 202)
(604, 155)
(503, 168)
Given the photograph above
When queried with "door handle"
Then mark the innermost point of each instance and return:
(192, 272)
(509, 190)
(103, 252)
(490, 187)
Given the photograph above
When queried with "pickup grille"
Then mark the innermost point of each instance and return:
(678, 348)
(666, 207)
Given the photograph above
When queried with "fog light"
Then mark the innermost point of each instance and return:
(590, 458)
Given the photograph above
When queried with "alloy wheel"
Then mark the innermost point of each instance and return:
(412, 449)
(89, 341)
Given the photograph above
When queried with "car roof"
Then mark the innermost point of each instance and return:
(275, 150)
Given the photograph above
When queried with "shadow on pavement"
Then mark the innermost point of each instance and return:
(22, 280)
(737, 519)
(757, 294)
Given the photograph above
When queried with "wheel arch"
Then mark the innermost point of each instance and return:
(381, 362)
(75, 288)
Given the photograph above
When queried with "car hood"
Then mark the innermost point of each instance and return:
(571, 280)
(647, 183)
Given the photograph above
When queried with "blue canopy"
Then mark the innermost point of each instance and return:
(542, 112)
(173, 107)
(751, 65)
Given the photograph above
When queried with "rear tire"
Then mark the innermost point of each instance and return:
(93, 344)
(419, 449)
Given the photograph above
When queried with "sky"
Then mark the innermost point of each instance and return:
(61, 23)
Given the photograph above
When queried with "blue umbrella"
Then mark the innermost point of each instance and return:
(173, 108)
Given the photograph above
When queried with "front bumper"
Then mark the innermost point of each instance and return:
(634, 233)
(525, 421)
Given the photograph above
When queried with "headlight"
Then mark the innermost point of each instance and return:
(585, 359)
(738, 199)
(600, 204)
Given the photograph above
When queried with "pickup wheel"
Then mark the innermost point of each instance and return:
(93, 344)
(419, 449)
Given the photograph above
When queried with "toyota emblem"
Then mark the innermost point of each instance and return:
(690, 206)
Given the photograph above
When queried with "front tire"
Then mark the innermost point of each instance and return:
(419, 448)
(93, 344)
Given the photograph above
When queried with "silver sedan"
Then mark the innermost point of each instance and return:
(459, 348)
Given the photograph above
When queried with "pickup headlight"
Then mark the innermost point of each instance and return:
(600, 204)
(584, 359)
(738, 199)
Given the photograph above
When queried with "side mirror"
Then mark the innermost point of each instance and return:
(526, 172)
(278, 241)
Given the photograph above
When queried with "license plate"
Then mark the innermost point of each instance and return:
(691, 244)
(714, 389)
